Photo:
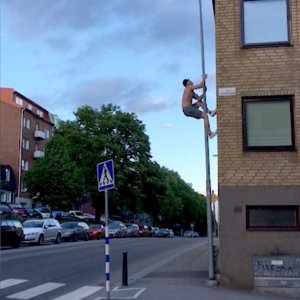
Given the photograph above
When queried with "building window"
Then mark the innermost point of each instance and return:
(25, 143)
(275, 217)
(19, 101)
(24, 165)
(23, 186)
(268, 123)
(47, 133)
(265, 22)
(7, 174)
(26, 123)
(29, 106)
(39, 113)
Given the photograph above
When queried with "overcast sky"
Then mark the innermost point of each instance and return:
(63, 54)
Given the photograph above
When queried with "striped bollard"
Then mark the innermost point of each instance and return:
(107, 273)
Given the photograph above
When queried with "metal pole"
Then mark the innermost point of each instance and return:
(211, 272)
(107, 271)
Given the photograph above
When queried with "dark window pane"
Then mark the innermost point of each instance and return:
(273, 217)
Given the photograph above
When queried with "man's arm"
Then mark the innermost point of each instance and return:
(201, 84)
(200, 97)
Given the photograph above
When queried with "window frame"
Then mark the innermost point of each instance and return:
(26, 123)
(264, 44)
(25, 143)
(251, 99)
(24, 165)
(273, 228)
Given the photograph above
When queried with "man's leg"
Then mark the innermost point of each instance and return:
(207, 126)
(212, 113)
(206, 123)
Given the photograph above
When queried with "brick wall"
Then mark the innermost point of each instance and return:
(254, 72)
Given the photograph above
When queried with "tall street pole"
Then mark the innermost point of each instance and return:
(211, 272)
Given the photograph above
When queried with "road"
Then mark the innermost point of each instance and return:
(69, 267)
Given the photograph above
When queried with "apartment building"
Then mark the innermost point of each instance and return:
(258, 98)
(25, 128)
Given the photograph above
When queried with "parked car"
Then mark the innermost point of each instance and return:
(39, 231)
(96, 231)
(132, 229)
(75, 230)
(11, 233)
(40, 212)
(19, 210)
(117, 229)
(165, 232)
(154, 231)
(144, 231)
(171, 233)
(89, 217)
(189, 233)
(5, 209)
(77, 215)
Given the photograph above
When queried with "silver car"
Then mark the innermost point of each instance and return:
(117, 229)
(40, 231)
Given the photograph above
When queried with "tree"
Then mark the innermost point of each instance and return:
(76, 148)
(67, 174)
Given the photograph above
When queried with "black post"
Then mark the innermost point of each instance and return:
(125, 270)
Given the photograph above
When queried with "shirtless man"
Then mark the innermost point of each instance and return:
(192, 109)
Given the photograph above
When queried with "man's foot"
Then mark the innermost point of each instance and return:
(213, 134)
(212, 113)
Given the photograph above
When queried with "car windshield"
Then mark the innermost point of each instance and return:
(94, 226)
(114, 225)
(33, 224)
(79, 213)
(44, 210)
(68, 225)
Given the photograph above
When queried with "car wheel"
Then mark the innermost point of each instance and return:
(75, 238)
(41, 239)
(58, 239)
(86, 237)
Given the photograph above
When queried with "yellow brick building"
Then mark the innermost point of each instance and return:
(258, 98)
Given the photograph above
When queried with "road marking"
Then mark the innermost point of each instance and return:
(80, 293)
(36, 291)
(10, 282)
(127, 293)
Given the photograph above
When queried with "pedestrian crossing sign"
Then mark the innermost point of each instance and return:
(105, 175)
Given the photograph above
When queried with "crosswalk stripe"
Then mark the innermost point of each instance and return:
(10, 282)
(80, 293)
(36, 291)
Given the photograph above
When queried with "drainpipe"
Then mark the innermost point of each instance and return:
(20, 153)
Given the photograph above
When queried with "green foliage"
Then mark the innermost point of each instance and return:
(67, 174)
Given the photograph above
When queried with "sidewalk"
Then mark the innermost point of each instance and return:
(185, 278)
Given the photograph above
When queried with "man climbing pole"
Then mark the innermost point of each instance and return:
(192, 109)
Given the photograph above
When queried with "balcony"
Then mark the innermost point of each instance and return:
(38, 154)
(39, 135)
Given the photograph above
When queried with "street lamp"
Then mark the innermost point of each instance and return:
(211, 272)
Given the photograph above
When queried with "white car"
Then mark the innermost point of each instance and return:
(45, 212)
(40, 231)
(77, 214)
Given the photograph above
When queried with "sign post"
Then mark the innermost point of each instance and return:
(106, 181)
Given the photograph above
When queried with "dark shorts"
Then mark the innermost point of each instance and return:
(192, 111)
